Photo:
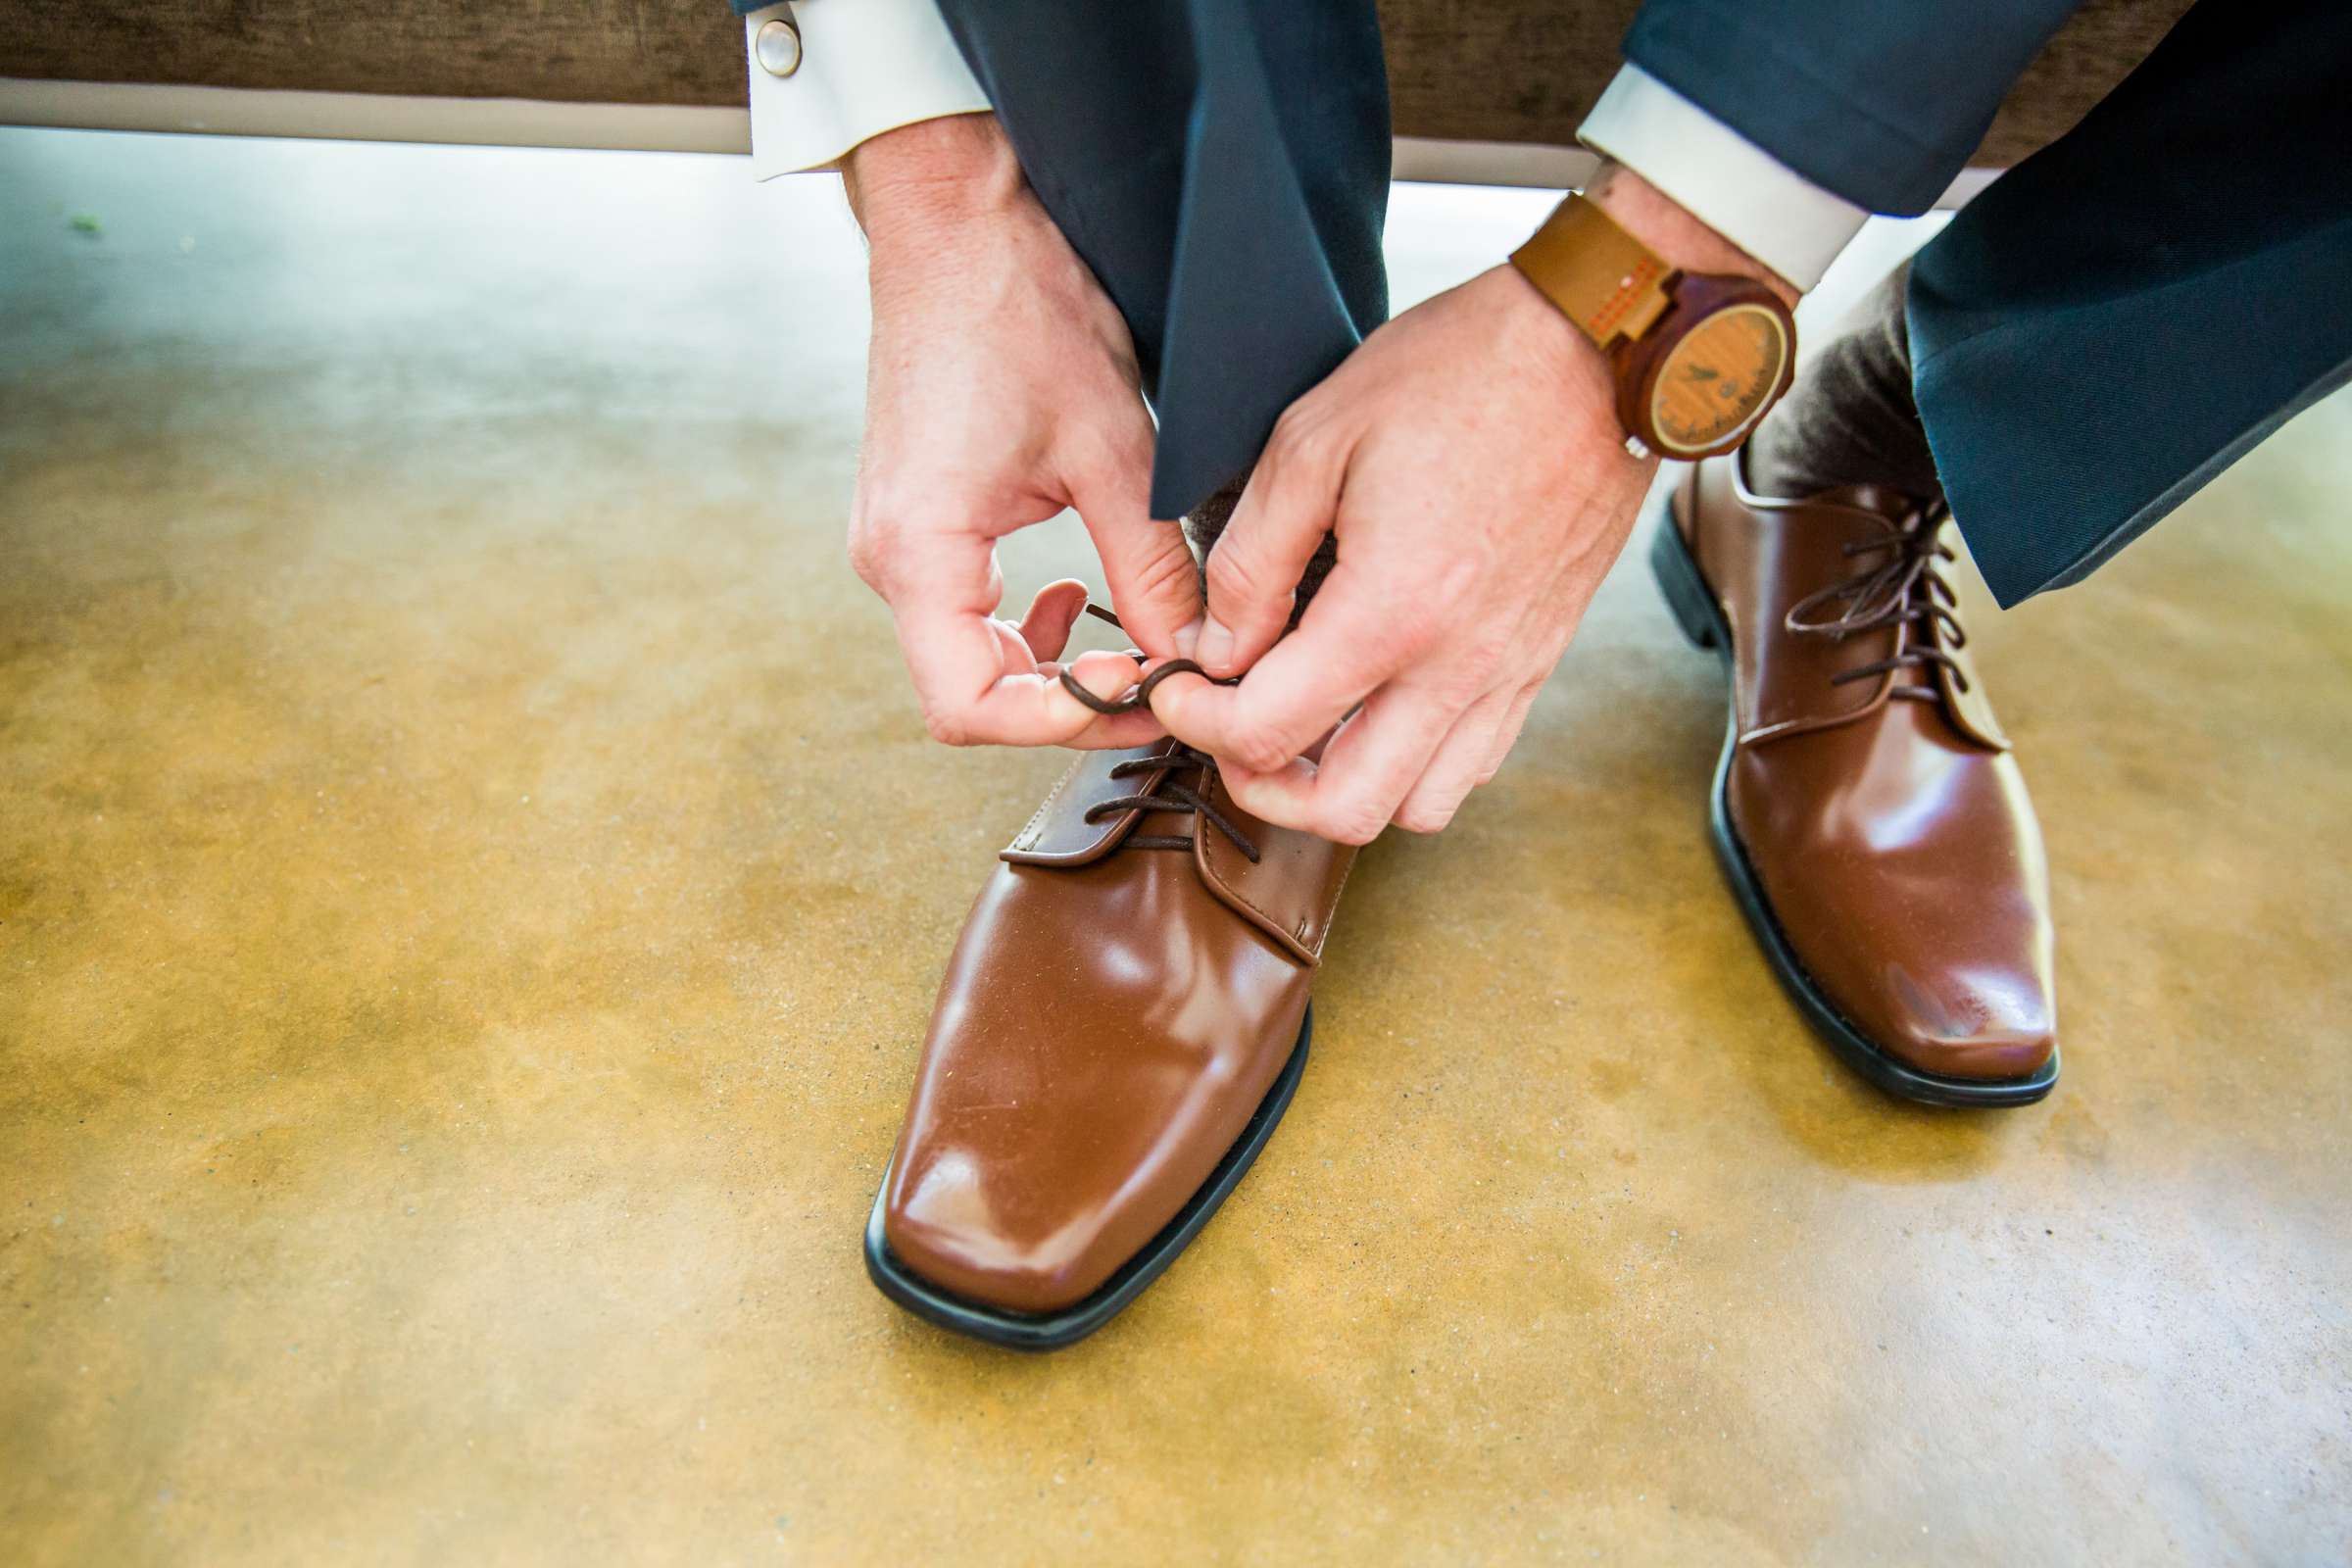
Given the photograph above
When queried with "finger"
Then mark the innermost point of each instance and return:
(1255, 567)
(1046, 629)
(1031, 707)
(975, 674)
(1155, 584)
(1347, 644)
(1363, 778)
(1551, 649)
(1458, 767)
(1507, 735)
(1108, 676)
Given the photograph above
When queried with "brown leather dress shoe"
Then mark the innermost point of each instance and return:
(1866, 808)
(1121, 1026)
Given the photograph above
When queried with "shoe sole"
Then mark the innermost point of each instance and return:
(1692, 605)
(1050, 1331)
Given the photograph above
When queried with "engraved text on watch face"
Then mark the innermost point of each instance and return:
(1716, 380)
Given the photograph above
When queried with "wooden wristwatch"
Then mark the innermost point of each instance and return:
(1698, 357)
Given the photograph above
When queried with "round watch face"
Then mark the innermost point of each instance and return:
(1716, 380)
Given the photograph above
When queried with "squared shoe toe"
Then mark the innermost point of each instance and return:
(1868, 809)
(1128, 996)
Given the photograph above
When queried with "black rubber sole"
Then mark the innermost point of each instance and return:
(1695, 612)
(1017, 1331)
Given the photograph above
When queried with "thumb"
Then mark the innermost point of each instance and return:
(1255, 569)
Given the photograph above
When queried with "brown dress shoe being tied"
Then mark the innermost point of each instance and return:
(1866, 808)
(1121, 1025)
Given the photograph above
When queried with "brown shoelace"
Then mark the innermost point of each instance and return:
(1171, 793)
(1904, 589)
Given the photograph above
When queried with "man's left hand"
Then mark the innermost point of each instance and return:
(1469, 460)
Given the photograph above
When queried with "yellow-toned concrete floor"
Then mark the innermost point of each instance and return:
(472, 883)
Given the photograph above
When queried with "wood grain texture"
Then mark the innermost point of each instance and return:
(1518, 72)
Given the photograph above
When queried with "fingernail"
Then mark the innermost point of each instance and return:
(1188, 638)
(1215, 647)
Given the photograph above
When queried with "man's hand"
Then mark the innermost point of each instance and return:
(1002, 389)
(1469, 460)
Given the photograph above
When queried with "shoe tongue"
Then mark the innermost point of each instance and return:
(1174, 822)
(1963, 700)
(1288, 891)
(1963, 696)
(1185, 775)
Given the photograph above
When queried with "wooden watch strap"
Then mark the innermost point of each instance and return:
(1607, 282)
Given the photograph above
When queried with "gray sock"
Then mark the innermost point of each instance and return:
(1851, 417)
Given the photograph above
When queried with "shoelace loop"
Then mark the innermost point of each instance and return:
(1903, 589)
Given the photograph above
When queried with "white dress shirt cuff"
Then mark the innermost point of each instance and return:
(1720, 178)
(865, 67)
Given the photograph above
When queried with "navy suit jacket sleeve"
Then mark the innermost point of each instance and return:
(1880, 101)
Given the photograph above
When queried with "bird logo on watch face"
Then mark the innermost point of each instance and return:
(1718, 379)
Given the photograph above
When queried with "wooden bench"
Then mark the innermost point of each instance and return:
(1490, 91)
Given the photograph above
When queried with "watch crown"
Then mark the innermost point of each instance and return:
(1634, 447)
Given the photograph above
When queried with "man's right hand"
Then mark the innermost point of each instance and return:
(1001, 387)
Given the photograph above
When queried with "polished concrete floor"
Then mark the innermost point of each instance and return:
(473, 880)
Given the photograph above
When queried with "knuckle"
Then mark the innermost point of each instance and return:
(1471, 564)
(1160, 575)
(1117, 454)
(1458, 679)
(1410, 623)
(1489, 652)
(1236, 577)
(1260, 746)
(1423, 816)
(1284, 439)
(1471, 683)
(1093, 481)
(1351, 821)
(871, 547)
(1301, 431)
(949, 729)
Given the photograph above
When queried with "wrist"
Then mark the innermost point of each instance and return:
(1669, 229)
(932, 175)
(1698, 335)
(1533, 331)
